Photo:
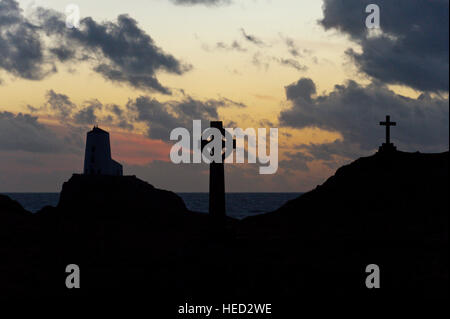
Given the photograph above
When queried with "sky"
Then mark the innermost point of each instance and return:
(141, 68)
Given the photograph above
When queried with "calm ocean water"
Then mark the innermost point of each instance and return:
(239, 205)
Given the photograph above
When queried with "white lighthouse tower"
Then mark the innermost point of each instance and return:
(97, 158)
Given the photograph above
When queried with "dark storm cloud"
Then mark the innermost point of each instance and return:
(303, 89)
(162, 117)
(21, 47)
(23, 132)
(355, 111)
(120, 50)
(63, 53)
(204, 2)
(412, 48)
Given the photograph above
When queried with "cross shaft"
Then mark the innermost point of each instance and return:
(388, 125)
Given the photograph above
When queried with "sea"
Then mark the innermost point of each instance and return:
(238, 205)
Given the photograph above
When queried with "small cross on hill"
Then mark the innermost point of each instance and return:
(388, 146)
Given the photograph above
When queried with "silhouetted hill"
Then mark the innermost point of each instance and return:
(384, 196)
(98, 220)
(17, 247)
(132, 240)
(11, 208)
(390, 209)
(13, 216)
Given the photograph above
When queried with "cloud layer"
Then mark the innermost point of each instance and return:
(355, 111)
(23, 132)
(21, 47)
(162, 117)
(118, 50)
(412, 47)
(159, 118)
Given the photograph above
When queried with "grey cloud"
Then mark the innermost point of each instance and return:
(234, 46)
(21, 47)
(291, 63)
(23, 132)
(116, 109)
(253, 39)
(159, 117)
(162, 117)
(293, 48)
(155, 114)
(204, 2)
(261, 60)
(32, 109)
(123, 52)
(87, 114)
(120, 50)
(122, 119)
(355, 112)
(329, 153)
(266, 123)
(303, 89)
(60, 104)
(296, 161)
(63, 53)
(225, 101)
(412, 49)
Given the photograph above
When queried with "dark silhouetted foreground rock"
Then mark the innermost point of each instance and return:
(390, 209)
(13, 218)
(123, 196)
(134, 241)
(386, 196)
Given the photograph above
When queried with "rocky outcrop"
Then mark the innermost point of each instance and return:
(89, 199)
(125, 196)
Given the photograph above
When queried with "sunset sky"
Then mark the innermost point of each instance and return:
(141, 68)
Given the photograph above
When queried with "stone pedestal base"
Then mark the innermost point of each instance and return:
(385, 148)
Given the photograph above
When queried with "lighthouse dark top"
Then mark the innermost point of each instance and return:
(97, 158)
